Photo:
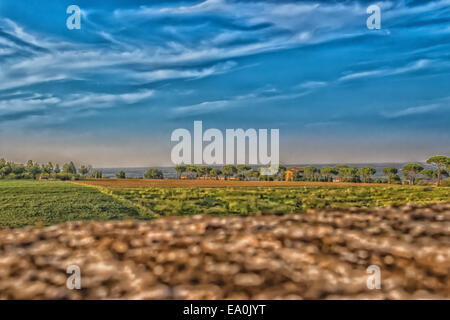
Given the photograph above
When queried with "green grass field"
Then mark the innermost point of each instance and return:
(244, 201)
(25, 202)
(49, 202)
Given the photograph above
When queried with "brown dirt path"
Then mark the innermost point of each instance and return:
(175, 183)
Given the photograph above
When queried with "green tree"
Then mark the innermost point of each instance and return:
(191, 170)
(69, 168)
(253, 174)
(411, 170)
(349, 174)
(444, 173)
(390, 172)
(354, 175)
(84, 170)
(340, 172)
(47, 168)
(180, 169)
(154, 173)
(57, 169)
(242, 169)
(310, 173)
(428, 173)
(203, 171)
(440, 162)
(121, 175)
(17, 168)
(97, 174)
(32, 168)
(6, 169)
(29, 165)
(215, 173)
(229, 171)
(328, 173)
(367, 173)
(396, 179)
(282, 172)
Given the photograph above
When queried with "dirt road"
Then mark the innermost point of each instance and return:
(176, 183)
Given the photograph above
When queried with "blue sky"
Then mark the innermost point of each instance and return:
(111, 93)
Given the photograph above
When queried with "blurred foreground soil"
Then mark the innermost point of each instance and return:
(314, 255)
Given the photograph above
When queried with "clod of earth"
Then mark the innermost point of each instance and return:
(313, 255)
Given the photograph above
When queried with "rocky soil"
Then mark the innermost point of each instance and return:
(314, 255)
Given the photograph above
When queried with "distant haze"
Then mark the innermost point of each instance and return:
(169, 172)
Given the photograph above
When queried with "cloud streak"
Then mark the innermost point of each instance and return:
(438, 105)
(414, 66)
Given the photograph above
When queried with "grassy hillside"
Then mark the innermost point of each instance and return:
(25, 202)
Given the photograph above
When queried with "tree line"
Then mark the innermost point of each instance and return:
(344, 173)
(412, 173)
(34, 170)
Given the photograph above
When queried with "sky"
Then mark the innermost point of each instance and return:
(111, 93)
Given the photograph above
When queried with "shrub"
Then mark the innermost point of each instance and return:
(154, 173)
(98, 174)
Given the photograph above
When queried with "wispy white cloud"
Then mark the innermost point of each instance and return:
(258, 96)
(7, 83)
(275, 25)
(165, 74)
(440, 104)
(20, 106)
(414, 66)
(312, 84)
(203, 107)
(96, 100)
(412, 111)
(359, 75)
(6, 51)
(241, 28)
(27, 103)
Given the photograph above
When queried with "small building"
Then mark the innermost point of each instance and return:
(229, 178)
(293, 173)
(337, 179)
